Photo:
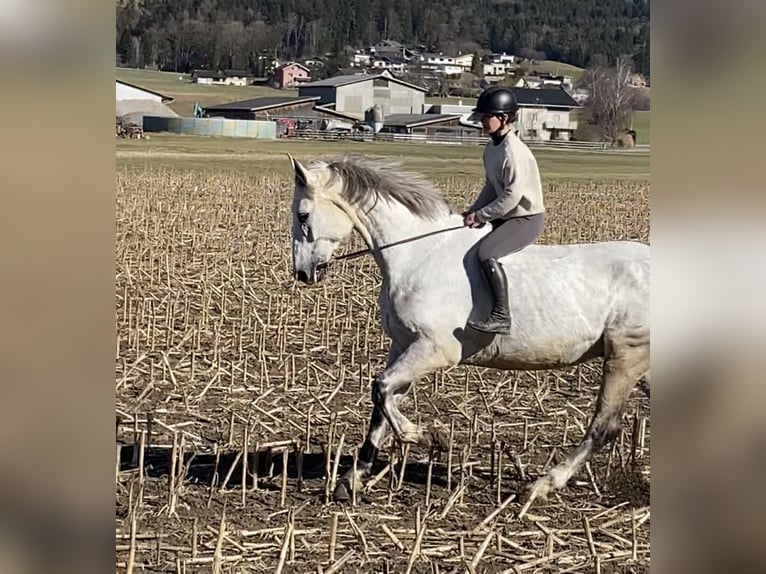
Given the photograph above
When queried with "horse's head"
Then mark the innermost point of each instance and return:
(320, 223)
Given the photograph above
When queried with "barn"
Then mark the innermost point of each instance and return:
(357, 93)
(421, 124)
(291, 112)
(264, 108)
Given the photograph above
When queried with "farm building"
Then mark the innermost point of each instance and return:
(126, 91)
(290, 75)
(134, 102)
(544, 114)
(355, 94)
(225, 77)
(206, 77)
(295, 112)
(264, 108)
(420, 123)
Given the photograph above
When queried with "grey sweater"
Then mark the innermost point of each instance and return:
(512, 187)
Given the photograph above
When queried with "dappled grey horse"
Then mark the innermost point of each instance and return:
(568, 303)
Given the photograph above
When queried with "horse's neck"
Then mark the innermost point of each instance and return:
(389, 223)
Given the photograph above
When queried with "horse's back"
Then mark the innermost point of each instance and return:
(603, 250)
(596, 260)
(564, 299)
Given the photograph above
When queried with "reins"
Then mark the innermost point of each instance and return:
(361, 252)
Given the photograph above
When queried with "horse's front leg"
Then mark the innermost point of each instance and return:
(377, 432)
(423, 356)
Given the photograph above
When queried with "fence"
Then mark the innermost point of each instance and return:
(459, 139)
(212, 127)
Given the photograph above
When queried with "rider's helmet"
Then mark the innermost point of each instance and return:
(494, 100)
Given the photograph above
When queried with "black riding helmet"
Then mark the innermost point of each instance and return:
(495, 100)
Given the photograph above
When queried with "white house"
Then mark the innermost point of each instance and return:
(448, 65)
(498, 68)
(465, 61)
(360, 59)
(437, 60)
(544, 114)
(503, 58)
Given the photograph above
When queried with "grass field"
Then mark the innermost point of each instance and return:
(241, 397)
(258, 157)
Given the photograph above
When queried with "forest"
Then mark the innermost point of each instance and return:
(181, 35)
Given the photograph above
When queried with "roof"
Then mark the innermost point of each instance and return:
(238, 73)
(394, 59)
(256, 104)
(329, 109)
(337, 81)
(548, 97)
(163, 96)
(390, 43)
(414, 120)
(207, 74)
(289, 64)
(435, 55)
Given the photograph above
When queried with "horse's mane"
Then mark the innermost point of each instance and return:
(364, 177)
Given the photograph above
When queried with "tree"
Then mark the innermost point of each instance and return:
(477, 67)
(185, 34)
(610, 104)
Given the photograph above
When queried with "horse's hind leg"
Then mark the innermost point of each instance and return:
(645, 385)
(625, 363)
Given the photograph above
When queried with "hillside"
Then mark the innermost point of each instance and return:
(185, 34)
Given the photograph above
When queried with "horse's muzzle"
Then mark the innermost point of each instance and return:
(316, 275)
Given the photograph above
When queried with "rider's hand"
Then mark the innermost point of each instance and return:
(470, 220)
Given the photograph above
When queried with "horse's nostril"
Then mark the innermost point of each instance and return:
(301, 275)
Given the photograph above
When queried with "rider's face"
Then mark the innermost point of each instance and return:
(491, 123)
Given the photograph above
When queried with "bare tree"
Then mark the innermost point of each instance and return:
(610, 104)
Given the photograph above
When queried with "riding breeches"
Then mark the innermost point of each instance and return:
(511, 235)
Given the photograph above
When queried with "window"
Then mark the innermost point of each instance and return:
(380, 82)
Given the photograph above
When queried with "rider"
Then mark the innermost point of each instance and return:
(511, 199)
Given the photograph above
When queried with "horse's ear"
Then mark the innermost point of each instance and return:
(301, 177)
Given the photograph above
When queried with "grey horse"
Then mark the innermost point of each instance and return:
(568, 303)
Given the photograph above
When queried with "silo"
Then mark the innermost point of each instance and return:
(377, 118)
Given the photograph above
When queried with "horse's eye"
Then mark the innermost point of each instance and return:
(303, 217)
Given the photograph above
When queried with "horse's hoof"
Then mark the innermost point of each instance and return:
(342, 492)
(538, 490)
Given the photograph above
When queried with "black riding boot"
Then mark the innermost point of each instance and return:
(499, 320)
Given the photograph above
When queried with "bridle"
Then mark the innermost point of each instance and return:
(361, 252)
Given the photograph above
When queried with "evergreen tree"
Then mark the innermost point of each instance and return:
(187, 33)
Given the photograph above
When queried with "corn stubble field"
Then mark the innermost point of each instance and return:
(224, 364)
